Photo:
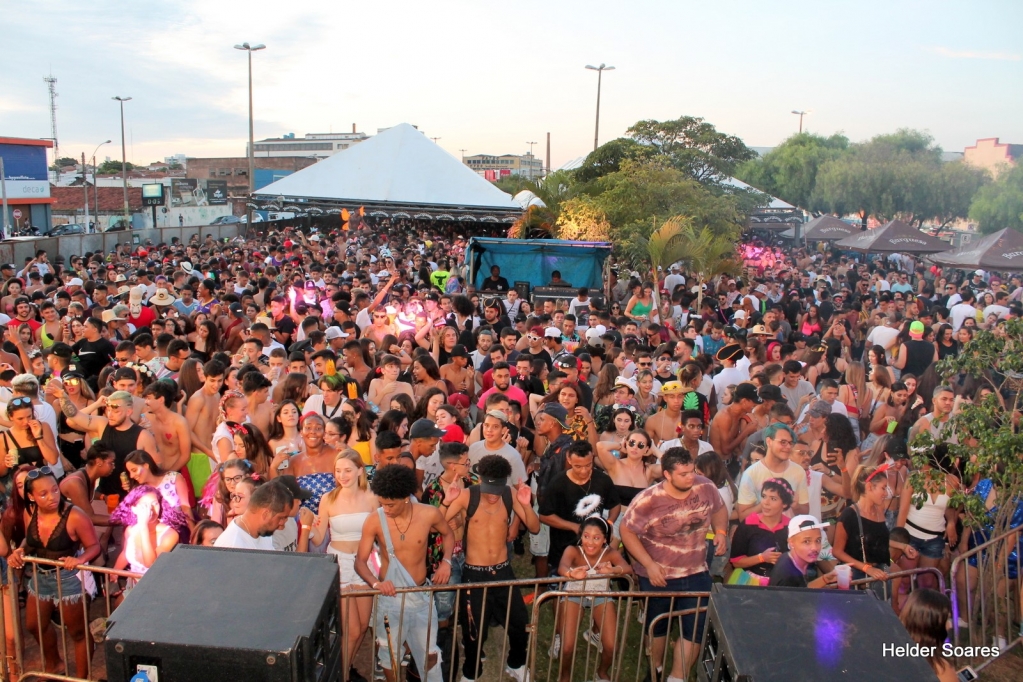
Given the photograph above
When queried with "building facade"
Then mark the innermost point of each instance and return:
(505, 164)
(993, 155)
(235, 170)
(317, 145)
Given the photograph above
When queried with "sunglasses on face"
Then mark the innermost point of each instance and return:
(641, 445)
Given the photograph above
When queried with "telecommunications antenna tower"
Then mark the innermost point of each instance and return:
(51, 84)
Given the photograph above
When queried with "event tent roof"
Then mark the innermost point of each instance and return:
(400, 166)
(895, 236)
(828, 228)
(1002, 250)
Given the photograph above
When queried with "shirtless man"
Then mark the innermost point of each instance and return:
(356, 363)
(256, 388)
(401, 528)
(170, 429)
(664, 425)
(486, 541)
(126, 380)
(380, 328)
(204, 407)
(732, 426)
(460, 371)
(115, 430)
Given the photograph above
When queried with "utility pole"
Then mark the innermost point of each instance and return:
(95, 187)
(252, 150)
(3, 196)
(548, 153)
(531, 159)
(85, 188)
(801, 114)
(124, 163)
(435, 139)
(600, 72)
(51, 84)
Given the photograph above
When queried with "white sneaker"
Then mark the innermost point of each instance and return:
(555, 651)
(593, 638)
(518, 674)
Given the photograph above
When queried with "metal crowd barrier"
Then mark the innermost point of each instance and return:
(884, 586)
(985, 597)
(17, 665)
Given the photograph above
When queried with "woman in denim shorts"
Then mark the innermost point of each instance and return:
(58, 532)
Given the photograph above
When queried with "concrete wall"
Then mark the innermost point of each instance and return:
(16, 251)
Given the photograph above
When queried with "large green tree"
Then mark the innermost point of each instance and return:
(608, 158)
(789, 171)
(694, 146)
(112, 166)
(900, 175)
(1000, 204)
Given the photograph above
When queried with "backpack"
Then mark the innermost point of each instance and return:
(474, 503)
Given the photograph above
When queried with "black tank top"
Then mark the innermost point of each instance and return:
(919, 355)
(123, 443)
(59, 545)
(26, 455)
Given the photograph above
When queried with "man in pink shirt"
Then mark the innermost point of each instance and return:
(503, 384)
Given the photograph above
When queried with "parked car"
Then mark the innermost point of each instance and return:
(256, 218)
(71, 228)
(227, 220)
(118, 225)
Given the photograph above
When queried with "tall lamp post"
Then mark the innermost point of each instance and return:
(600, 72)
(124, 162)
(252, 149)
(95, 189)
(801, 114)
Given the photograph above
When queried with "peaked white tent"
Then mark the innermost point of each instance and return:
(399, 167)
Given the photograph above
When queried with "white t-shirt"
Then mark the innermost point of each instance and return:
(478, 451)
(814, 489)
(703, 446)
(727, 377)
(234, 537)
(431, 468)
(998, 310)
(882, 336)
(959, 312)
(286, 539)
(754, 477)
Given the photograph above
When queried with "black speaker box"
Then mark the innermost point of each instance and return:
(226, 615)
(782, 634)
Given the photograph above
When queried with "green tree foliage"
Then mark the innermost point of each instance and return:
(989, 438)
(693, 146)
(897, 176)
(581, 219)
(789, 171)
(64, 162)
(608, 158)
(111, 166)
(1000, 204)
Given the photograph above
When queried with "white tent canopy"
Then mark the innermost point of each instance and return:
(398, 166)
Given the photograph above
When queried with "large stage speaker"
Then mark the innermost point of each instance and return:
(227, 615)
(782, 634)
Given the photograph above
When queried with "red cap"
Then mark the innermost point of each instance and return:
(454, 434)
(288, 243)
(143, 253)
(536, 331)
(459, 400)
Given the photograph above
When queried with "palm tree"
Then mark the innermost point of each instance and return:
(702, 252)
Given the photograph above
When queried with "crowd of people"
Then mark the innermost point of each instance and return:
(351, 393)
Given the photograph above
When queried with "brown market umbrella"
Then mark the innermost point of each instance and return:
(893, 237)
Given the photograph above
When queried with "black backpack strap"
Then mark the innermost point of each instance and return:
(474, 501)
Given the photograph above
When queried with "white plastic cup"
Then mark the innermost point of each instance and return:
(844, 573)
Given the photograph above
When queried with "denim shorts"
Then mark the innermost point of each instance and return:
(932, 549)
(445, 600)
(587, 602)
(43, 586)
(692, 624)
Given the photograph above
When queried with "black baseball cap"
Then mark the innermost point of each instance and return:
(746, 392)
(425, 428)
(297, 491)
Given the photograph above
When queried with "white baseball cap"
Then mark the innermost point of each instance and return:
(334, 333)
(804, 522)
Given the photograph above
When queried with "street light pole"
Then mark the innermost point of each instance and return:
(95, 189)
(124, 162)
(800, 114)
(600, 72)
(252, 150)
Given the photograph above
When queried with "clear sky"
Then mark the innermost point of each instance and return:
(488, 77)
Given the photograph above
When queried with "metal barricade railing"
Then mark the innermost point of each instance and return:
(885, 586)
(985, 595)
(619, 640)
(393, 631)
(19, 664)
